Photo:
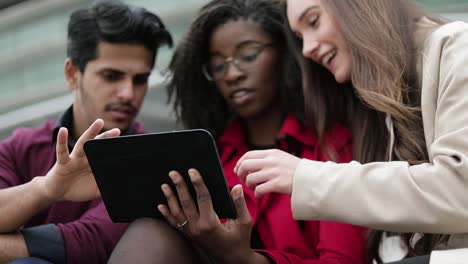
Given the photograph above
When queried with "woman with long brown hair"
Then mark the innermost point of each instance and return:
(395, 75)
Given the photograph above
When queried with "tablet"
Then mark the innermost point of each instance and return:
(129, 171)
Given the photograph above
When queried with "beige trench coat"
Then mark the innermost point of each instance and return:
(394, 196)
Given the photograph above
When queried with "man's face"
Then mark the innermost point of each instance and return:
(112, 86)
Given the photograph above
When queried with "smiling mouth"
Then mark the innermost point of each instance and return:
(328, 58)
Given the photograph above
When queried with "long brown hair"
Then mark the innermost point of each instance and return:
(384, 81)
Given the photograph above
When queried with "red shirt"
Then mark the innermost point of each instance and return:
(284, 239)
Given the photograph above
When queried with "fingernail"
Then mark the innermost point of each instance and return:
(239, 191)
(159, 206)
(160, 209)
(164, 188)
(192, 172)
(172, 175)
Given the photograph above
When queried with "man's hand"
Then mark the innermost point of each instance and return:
(71, 178)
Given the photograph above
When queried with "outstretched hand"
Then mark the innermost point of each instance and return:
(267, 171)
(71, 179)
(203, 226)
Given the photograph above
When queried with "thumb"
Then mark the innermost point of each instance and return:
(237, 195)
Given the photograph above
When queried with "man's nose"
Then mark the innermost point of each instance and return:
(125, 90)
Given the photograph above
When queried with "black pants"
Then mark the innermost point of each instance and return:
(415, 260)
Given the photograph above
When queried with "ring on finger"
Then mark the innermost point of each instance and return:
(179, 225)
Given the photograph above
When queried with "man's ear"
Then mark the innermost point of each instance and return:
(72, 75)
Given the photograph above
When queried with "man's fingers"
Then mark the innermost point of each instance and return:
(62, 146)
(115, 132)
(90, 133)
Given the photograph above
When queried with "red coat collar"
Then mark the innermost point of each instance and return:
(292, 127)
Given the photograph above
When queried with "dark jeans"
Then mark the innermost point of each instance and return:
(415, 260)
(30, 261)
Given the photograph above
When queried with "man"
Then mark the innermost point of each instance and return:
(111, 51)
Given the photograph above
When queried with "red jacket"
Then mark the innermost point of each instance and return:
(284, 239)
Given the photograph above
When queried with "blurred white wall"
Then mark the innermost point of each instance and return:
(32, 52)
(32, 48)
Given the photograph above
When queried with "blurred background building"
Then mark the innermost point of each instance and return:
(32, 53)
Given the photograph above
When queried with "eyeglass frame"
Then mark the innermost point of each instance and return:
(231, 59)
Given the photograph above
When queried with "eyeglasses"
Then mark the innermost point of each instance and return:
(244, 57)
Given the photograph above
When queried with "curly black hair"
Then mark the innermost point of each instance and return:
(197, 102)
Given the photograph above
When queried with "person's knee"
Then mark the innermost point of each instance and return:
(147, 227)
(152, 241)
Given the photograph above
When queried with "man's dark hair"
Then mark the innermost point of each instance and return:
(197, 102)
(114, 22)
